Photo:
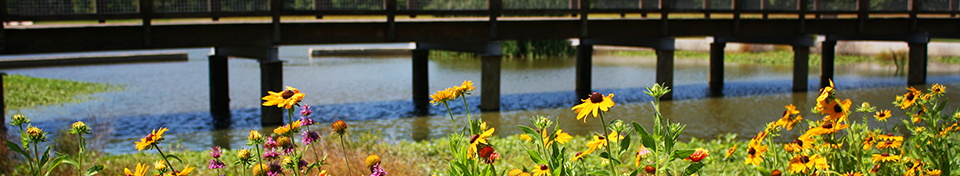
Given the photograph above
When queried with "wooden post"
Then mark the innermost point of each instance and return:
(584, 9)
(584, 70)
(421, 78)
(917, 66)
(914, 10)
(801, 67)
(146, 13)
(737, 10)
(863, 8)
(271, 79)
(276, 9)
(3, 107)
(391, 7)
(665, 70)
(716, 67)
(665, 6)
(828, 53)
(490, 83)
(219, 88)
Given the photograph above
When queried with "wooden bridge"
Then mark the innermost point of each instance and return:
(476, 26)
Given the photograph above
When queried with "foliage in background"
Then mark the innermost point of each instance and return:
(24, 91)
(783, 57)
(531, 49)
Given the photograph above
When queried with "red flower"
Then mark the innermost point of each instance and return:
(698, 155)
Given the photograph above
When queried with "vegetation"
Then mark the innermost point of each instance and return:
(25, 91)
(785, 57)
(531, 49)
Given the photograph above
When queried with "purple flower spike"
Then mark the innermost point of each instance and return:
(275, 169)
(214, 164)
(216, 153)
(304, 121)
(306, 110)
(271, 154)
(270, 144)
(309, 137)
(377, 170)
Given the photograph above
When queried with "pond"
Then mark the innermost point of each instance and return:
(372, 93)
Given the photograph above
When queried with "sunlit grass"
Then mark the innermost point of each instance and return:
(25, 92)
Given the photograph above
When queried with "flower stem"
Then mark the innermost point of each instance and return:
(169, 165)
(80, 154)
(466, 107)
(36, 151)
(451, 116)
(259, 157)
(603, 123)
(343, 148)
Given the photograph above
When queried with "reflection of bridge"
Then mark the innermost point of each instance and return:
(747, 21)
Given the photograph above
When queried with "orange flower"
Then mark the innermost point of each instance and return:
(698, 155)
(909, 98)
(837, 111)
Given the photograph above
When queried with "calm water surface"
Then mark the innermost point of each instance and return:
(373, 94)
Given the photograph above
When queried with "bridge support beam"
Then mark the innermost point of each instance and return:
(801, 67)
(716, 68)
(421, 80)
(665, 70)
(828, 55)
(584, 70)
(917, 66)
(3, 107)
(219, 91)
(271, 79)
(490, 83)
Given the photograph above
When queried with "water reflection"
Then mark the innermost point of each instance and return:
(374, 94)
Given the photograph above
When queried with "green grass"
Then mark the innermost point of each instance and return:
(781, 57)
(23, 92)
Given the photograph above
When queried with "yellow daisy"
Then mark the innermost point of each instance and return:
(755, 154)
(730, 151)
(476, 140)
(285, 99)
(182, 173)
(593, 105)
(837, 110)
(150, 139)
(443, 96)
(885, 157)
(597, 142)
(882, 115)
(852, 173)
(799, 164)
(889, 144)
(825, 96)
(463, 88)
(140, 171)
(937, 89)
(909, 98)
(541, 170)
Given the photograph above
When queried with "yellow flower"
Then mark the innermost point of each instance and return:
(526, 137)
(597, 142)
(150, 139)
(819, 162)
(182, 173)
(140, 171)
(285, 99)
(882, 115)
(372, 160)
(800, 164)
(826, 128)
(826, 94)
(515, 172)
(593, 105)
(802, 143)
(935, 172)
(560, 137)
(889, 144)
(323, 173)
(254, 135)
(889, 137)
(852, 173)
(837, 111)
(885, 157)
(281, 130)
(443, 96)
(697, 155)
(476, 140)
(160, 165)
(79, 128)
(868, 141)
(614, 136)
(339, 126)
(909, 98)
(463, 88)
(786, 121)
(243, 154)
(260, 169)
(758, 138)
(755, 154)
(35, 134)
(730, 151)
(541, 170)
(948, 129)
(577, 156)
(937, 89)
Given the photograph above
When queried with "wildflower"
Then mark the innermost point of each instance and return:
(284, 142)
(35, 134)
(819, 162)
(141, 170)
(889, 144)
(182, 173)
(160, 165)
(889, 137)
(340, 127)
(826, 95)
(274, 169)
(18, 120)
(597, 142)
(802, 143)
(786, 121)
(562, 137)
(885, 157)
(909, 98)
(485, 152)
(377, 170)
(541, 122)
(215, 164)
(270, 155)
(372, 160)
(270, 144)
(542, 170)
(937, 89)
(799, 164)
(593, 105)
(882, 115)
(730, 151)
(255, 137)
(577, 156)
(865, 107)
(260, 169)
(934, 172)
(285, 99)
(443, 96)
(309, 137)
(826, 128)
(758, 138)
(837, 110)
(322, 173)
(698, 155)
(215, 152)
(755, 153)
(305, 121)
(305, 111)
(649, 169)
(868, 141)
(476, 140)
(526, 137)
(852, 173)
(614, 136)
(463, 88)
(643, 151)
(948, 129)
(151, 139)
(920, 129)
(515, 172)
(79, 128)
(243, 154)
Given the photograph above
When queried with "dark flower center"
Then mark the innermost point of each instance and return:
(601, 137)
(798, 141)
(544, 167)
(776, 173)
(287, 94)
(752, 151)
(150, 136)
(888, 142)
(889, 134)
(885, 154)
(804, 159)
(882, 114)
(910, 96)
(474, 138)
(828, 125)
(837, 108)
(785, 113)
(596, 97)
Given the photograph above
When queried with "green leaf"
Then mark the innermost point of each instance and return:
(637, 171)
(94, 170)
(16, 148)
(600, 172)
(53, 165)
(45, 157)
(625, 143)
(681, 154)
(645, 137)
(169, 156)
(693, 168)
(71, 162)
(535, 156)
(940, 106)
(607, 156)
(530, 132)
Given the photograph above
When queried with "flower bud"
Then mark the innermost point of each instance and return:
(243, 154)
(340, 127)
(34, 134)
(79, 128)
(160, 165)
(18, 120)
(255, 136)
(372, 160)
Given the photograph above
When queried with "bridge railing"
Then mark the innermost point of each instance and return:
(132, 9)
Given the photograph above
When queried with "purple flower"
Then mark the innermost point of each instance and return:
(215, 164)
(309, 137)
(305, 121)
(377, 170)
(270, 144)
(270, 154)
(306, 110)
(216, 152)
(274, 169)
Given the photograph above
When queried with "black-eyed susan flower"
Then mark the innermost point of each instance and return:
(461, 90)
(837, 111)
(882, 115)
(515, 172)
(577, 156)
(786, 121)
(525, 137)
(889, 137)
(825, 128)
(559, 137)
(868, 141)
(160, 165)
(948, 129)
(758, 138)
(141, 170)
(643, 151)
(885, 157)
(478, 139)
(593, 105)
(853, 173)
(800, 164)
(825, 97)
(541, 170)
(933, 172)
(184, 172)
(819, 162)
(79, 128)
(443, 96)
(730, 151)
(597, 142)
(889, 144)
(909, 98)
(698, 154)
(802, 143)
(285, 99)
(937, 89)
(755, 153)
(150, 139)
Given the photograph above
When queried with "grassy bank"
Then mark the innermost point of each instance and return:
(782, 57)
(22, 91)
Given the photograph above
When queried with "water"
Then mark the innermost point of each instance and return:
(373, 94)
